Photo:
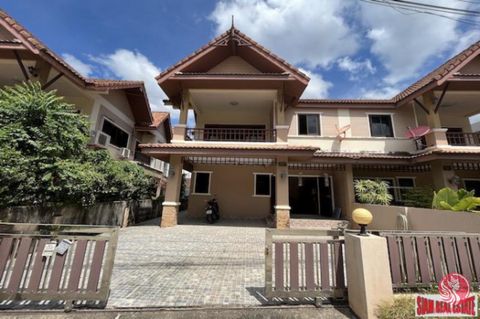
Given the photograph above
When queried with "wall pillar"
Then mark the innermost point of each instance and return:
(368, 273)
(442, 175)
(172, 194)
(282, 208)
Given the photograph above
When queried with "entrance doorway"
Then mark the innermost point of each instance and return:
(311, 195)
(472, 184)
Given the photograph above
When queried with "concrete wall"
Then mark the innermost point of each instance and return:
(234, 190)
(421, 219)
(358, 138)
(119, 213)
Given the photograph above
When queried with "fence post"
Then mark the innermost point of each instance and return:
(368, 274)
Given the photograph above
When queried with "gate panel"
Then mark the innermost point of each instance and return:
(29, 271)
(304, 264)
(424, 258)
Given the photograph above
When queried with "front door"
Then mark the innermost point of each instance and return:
(310, 196)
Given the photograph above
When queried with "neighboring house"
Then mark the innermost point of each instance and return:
(262, 150)
(119, 112)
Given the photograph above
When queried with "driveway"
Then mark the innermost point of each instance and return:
(189, 265)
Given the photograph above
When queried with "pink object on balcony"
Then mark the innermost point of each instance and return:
(417, 132)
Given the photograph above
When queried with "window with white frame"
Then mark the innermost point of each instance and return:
(380, 125)
(308, 124)
(202, 182)
(118, 137)
(263, 184)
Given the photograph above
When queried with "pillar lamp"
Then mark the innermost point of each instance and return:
(362, 217)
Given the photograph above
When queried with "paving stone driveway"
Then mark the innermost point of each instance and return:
(189, 265)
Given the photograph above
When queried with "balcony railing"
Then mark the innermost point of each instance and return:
(463, 139)
(230, 134)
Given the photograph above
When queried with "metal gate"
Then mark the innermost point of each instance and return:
(421, 259)
(56, 262)
(304, 264)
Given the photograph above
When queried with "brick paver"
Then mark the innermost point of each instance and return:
(189, 265)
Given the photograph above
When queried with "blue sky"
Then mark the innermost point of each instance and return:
(349, 48)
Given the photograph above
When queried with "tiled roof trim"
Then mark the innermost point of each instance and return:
(229, 147)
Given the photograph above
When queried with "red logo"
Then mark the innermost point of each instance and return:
(454, 288)
(453, 299)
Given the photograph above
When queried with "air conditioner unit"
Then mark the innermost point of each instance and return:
(125, 152)
(102, 139)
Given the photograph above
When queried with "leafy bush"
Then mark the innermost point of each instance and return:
(418, 197)
(461, 200)
(403, 307)
(369, 191)
(44, 155)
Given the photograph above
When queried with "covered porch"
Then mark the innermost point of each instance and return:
(255, 182)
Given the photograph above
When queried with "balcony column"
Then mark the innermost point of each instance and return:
(282, 208)
(180, 128)
(443, 175)
(437, 135)
(172, 194)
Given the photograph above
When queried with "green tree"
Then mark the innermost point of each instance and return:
(44, 155)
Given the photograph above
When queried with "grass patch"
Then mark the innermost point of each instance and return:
(403, 307)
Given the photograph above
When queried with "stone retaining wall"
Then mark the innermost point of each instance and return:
(118, 213)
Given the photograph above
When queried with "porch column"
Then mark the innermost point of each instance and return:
(443, 175)
(282, 208)
(172, 193)
(348, 190)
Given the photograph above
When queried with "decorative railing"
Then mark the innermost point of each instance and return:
(463, 139)
(230, 134)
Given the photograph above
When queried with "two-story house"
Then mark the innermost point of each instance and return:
(262, 150)
(119, 111)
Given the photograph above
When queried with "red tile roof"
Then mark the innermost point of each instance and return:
(224, 36)
(37, 47)
(159, 118)
(237, 146)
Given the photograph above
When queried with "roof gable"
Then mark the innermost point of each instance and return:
(234, 64)
(232, 43)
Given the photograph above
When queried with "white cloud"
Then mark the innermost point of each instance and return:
(317, 87)
(356, 68)
(386, 92)
(82, 67)
(405, 41)
(129, 65)
(312, 33)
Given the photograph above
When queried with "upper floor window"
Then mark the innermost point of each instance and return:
(308, 124)
(118, 137)
(380, 125)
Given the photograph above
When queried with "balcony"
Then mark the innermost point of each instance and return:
(230, 135)
(463, 139)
